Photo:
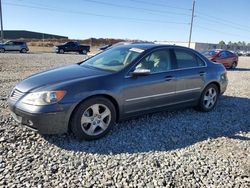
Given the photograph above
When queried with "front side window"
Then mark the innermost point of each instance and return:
(9, 43)
(158, 61)
(186, 59)
(114, 59)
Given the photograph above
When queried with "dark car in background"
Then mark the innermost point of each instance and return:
(14, 46)
(87, 98)
(225, 57)
(72, 47)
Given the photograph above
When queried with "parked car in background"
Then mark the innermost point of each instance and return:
(87, 98)
(14, 46)
(225, 57)
(72, 47)
(247, 53)
(240, 53)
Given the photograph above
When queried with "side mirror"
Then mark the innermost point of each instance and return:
(140, 72)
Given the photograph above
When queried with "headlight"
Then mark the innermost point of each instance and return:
(43, 98)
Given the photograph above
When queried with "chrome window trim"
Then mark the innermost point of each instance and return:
(169, 48)
(163, 94)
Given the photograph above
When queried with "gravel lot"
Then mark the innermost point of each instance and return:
(182, 148)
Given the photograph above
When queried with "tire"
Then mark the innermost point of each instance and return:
(234, 65)
(2, 50)
(89, 122)
(61, 51)
(23, 50)
(84, 52)
(209, 98)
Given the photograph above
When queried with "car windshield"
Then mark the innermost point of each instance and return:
(114, 59)
(209, 53)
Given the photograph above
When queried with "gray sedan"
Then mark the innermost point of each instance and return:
(89, 97)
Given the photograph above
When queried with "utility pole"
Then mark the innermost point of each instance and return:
(1, 19)
(191, 26)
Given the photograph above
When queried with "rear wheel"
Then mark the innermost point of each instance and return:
(93, 118)
(234, 65)
(208, 98)
(2, 50)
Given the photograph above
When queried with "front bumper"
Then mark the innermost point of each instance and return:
(43, 122)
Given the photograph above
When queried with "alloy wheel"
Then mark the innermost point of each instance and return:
(96, 119)
(210, 98)
(234, 65)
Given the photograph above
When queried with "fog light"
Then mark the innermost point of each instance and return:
(30, 122)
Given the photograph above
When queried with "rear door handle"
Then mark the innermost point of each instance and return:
(202, 73)
(169, 78)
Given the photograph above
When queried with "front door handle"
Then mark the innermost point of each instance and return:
(202, 73)
(169, 78)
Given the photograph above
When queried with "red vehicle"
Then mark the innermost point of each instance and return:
(227, 58)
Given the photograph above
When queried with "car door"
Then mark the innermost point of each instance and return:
(223, 58)
(8, 46)
(191, 72)
(16, 46)
(231, 58)
(154, 90)
(68, 47)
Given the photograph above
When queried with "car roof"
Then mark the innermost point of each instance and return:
(146, 46)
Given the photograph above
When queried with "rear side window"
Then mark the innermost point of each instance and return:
(186, 59)
(229, 53)
(18, 43)
(223, 54)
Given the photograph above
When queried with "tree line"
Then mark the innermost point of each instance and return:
(240, 43)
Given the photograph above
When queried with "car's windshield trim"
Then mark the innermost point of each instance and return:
(93, 67)
(131, 49)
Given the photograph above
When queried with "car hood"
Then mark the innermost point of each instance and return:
(58, 75)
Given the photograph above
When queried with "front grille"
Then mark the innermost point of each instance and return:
(16, 95)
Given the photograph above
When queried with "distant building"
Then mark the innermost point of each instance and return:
(22, 34)
(199, 46)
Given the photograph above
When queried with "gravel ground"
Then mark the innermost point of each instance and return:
(182, 148)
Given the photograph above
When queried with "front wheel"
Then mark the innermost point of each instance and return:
(93, 118)
(209, 98)
(234, 65)
(23, 50)
(61, 51)
(2, 50)
(84, 52)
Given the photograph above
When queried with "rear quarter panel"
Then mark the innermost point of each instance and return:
(216, 73)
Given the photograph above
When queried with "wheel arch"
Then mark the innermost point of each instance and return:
(215, 83)
(109, 97)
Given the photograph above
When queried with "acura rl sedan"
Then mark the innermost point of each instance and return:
(89, 97)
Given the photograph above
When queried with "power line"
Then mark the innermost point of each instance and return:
(156, 4)
(217, 31)
(223, 23)
(93, 14)
(137, 8)
(219, 19)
